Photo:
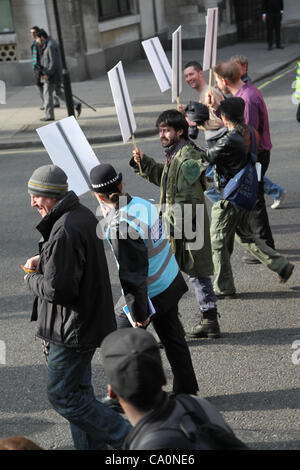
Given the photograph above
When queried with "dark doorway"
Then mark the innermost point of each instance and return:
(248, 14)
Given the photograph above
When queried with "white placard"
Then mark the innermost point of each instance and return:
(210, 46)
(2, 92)
(176, 64)
(122, 101)
(159, 63)
(69, 149)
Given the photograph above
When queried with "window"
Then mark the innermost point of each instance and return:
(6, 23)
(113, 8)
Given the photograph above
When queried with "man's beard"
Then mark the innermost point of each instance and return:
(169, 143)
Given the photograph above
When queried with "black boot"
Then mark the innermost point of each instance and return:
(208, 327)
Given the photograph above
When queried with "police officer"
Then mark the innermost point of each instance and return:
(148, 272)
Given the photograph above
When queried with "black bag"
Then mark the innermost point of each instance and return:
(193, 431)
(214, 435)
(242, 189)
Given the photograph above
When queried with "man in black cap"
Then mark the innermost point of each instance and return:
(133, 366)
(73, 307)
(148, 271)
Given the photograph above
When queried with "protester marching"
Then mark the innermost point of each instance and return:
(159, 250)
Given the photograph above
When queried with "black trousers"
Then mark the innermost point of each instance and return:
(259, 220)
(171, 334)
(273, 24)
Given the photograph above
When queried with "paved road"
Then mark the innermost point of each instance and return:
(249, 373)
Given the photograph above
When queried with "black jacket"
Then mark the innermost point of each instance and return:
(272, 6)
(229, 154)
(73, 305)
(170, 426)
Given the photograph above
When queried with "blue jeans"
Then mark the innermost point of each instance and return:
(272, 189)
(211, 193)
(204, 293)
(70, 392)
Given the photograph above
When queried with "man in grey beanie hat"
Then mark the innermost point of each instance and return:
(73, 307)
(47, 185)
(48, 181)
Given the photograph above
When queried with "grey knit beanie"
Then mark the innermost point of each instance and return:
(48, 181)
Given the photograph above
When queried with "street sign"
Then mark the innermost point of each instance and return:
(159, 62)
(69, 149)
(122, 101)
(176, 65)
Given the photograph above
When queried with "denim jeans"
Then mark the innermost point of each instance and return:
(211, 193)
(272, 189)
(70, 392)
(204, 293)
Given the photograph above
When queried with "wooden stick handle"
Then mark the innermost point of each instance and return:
(134, 146)
(210, 78)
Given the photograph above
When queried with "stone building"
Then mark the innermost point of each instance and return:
(98, 33)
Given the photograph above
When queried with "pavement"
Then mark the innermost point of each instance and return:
(20, 116)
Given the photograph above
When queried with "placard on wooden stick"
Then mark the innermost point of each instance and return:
(122, 101)
(159, 63)
(123, 105)
(69, 149)
(176, 65)
(210, 46)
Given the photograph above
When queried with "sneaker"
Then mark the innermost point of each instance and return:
(277, 202)
(286, 273)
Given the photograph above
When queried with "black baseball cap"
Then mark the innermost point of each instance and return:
(132, 363)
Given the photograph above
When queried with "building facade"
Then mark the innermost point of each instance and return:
(99, 33)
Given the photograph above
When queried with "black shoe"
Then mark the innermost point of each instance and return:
(208, 327)
(250, 260)
(270, 48)
(78, 109)
(280, 46)
(42, 108)
(112, 403)
(286, 273)
(57, 105)
(226, 296)
(47, 119)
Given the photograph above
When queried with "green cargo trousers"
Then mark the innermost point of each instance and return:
(227, 223)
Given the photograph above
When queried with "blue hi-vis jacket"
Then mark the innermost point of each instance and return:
(139, 220)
